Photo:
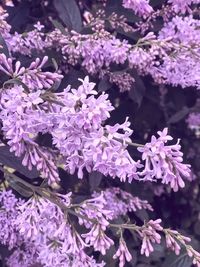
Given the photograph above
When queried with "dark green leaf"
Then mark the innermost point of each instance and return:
(182, 260)
(179, 115)
(159, 251)
(19, 187)
(104, 85)
(59, 26)
(3, 46)
(19, 16)
(108, 257)
(17, 82)
(69, 13)
(138, 89)
(197, 228)
(71, 78)
(143, 215)
(95, 180)
(55, 86)
(9, 159)
(116, 6)
(55, 64)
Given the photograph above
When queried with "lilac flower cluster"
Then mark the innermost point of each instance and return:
(46, 233)
(105, 206)
(164, 161)
(144, 9)
(24, 43)
(140, 7)
(18, 106)
(182, 6)
(164, 57)
(94, 209)
(82, 139)
(149, 234)
(76, 121)
(8, 214)
(122, 253)
(33, 76)
(96, 52)
(123, 80)
(174, 241)
(41, 231)
(180, 67)
(23, 256)
(18, 115)
(121, 202)
(10, 235)
(76, 129)
(45, 227)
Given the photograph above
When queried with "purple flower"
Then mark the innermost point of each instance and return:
(140, 7)
(182, 6)
(94, 209)
(164, 161)
(33, 76)
(23, 257)
(98, 239)
(8, 214)
(120, 202)
(149, 235)
(82, 140)
(122, 253)
(46, 227)
(183, 68)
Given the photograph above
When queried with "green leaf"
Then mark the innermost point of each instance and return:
(59, 26)
(3, 47)
(138, 89)
(142, 214)
(116, 7)
(17, 82)
(19, 187)
(104, 85)
(182, 260)
(197, 228)
(179, 115)
(55, 64)
(9, 159)
(95, 180)
(69, 13)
